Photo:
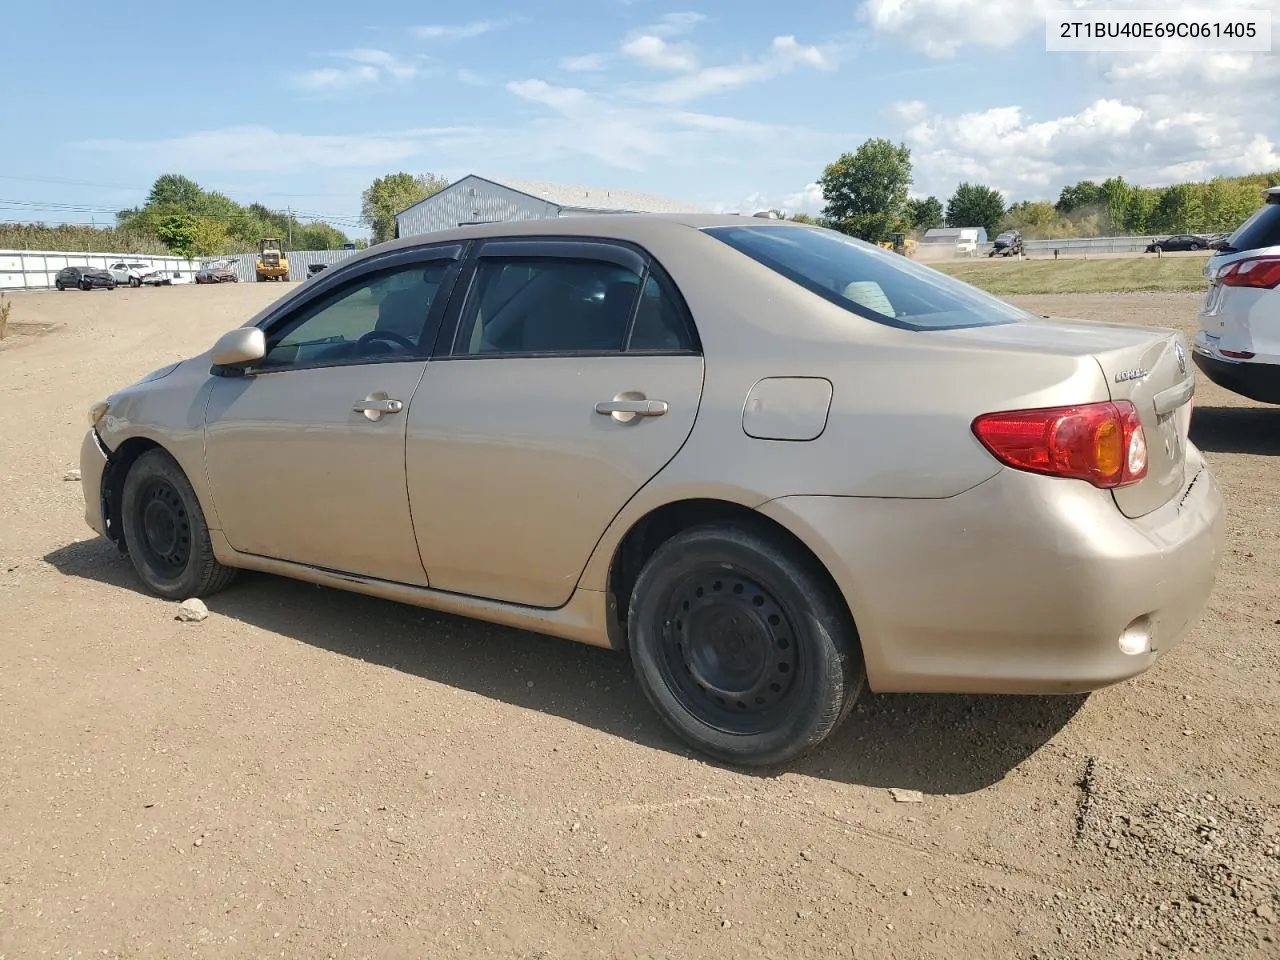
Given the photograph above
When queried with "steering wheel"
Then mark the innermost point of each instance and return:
(387, 335)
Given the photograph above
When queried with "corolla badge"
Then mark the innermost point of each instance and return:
(1181, 356)
(1137, 373)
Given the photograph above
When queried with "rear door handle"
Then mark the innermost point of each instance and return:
(626, 410)
(377, 405)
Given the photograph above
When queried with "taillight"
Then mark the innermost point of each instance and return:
(1102, 443)
(1260, 272)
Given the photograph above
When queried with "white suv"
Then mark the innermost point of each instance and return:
(1238, 346)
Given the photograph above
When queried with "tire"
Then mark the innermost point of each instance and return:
(165, 531)
(135, 282)
(86, 286)
(58, 285)
(741, 646)
(1195, 246)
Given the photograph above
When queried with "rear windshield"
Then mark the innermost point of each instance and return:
(868, 280)
(1260, 230)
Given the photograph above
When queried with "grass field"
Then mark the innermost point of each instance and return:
(1105, 275)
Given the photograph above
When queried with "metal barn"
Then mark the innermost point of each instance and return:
(475, 199)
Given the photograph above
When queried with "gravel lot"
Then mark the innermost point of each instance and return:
(314, 774)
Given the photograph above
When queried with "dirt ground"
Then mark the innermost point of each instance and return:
(314, 774)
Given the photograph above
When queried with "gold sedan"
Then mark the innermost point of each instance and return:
(773, 464)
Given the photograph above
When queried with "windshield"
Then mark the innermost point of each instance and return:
(867, 280)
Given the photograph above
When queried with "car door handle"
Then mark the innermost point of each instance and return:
(377, 405)
(625, 410)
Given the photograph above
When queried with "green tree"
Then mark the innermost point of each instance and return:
(1037, 220)
(1138, 212)
(866, 191)
(1115, 195)
(803, 218)
(1078, 195)
(176, 191)
(976, 205)
(392, 194)
(179, 232)
(1180, 209)
(925, 214)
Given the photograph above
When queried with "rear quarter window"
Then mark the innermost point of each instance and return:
(868, 280)
(1260, 230)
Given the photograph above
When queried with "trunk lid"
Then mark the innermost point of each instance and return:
(1150, 367)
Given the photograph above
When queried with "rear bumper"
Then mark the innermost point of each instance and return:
(93, 463)
(1248, 378)
(1023, 584)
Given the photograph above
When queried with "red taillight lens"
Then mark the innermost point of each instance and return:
(1102, 443)
(1260, 272)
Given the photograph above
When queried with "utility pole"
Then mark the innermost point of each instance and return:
(289, 210)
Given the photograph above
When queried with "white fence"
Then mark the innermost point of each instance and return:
(36, 269)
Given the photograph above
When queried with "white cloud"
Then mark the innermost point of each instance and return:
(254, 148)
(808, 200)
(335, 78)
(1149, 141)
(464, 31)
(389, 63)
(674, 23)
(585, 62)
(632, 136)
(653, 51)
(785, 54)
(367, 66)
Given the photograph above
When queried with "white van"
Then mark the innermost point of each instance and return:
(964, 240)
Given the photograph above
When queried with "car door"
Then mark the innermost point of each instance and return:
(119, 272)
(568, 375)
(305, 452)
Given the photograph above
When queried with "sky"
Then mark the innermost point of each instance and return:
(734, 105)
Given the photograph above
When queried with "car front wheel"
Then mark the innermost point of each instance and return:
(135, 282)
(742, 645)
(165, 531)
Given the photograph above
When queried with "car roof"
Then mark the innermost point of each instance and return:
(636, 227)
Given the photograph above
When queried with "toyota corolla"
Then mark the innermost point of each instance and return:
(773, 464)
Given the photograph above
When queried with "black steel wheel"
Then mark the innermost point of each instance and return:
(742, 645)
(165, 531)
(727, 651)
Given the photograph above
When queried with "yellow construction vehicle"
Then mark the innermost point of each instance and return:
(900, 243)
(272, 263)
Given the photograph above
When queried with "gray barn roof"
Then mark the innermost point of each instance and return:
(571, 197)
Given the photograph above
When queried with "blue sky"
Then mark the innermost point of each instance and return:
(730, 105)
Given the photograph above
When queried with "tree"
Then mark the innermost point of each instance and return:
(803, 218)
(1037, 220)
(392, 194)
(924, 214)
(178, 231)
(976, 205)
(1115, 196)
(1180, 209)
(866, 191)
(1081, 194)
(174, 190)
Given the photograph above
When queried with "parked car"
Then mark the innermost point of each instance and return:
(1217, 241)
(1007, 244)
(678, 436)
(1238, 344)
(136, 273)
(86, 278)
(314, 268)
(217, 272)
(1179, 241)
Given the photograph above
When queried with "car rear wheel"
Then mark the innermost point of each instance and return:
(58, 285)
(742, 646)
(165, 531)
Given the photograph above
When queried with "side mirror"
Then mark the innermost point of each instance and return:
(238, 347)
